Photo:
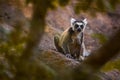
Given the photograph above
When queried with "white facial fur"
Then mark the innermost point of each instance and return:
(72, 21)
(84, 21)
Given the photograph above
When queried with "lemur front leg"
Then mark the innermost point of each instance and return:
(85, 52)
(67, 51)
(83, 49)
(80, 52)
(64, 49)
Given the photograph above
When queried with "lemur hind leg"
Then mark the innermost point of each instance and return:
(56, 42)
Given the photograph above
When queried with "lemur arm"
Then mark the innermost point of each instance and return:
(82, 38)
(85, 53)
(65, 48)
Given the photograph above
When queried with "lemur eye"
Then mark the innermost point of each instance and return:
(82, 26)
(76, 25)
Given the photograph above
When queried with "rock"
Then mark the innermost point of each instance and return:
(111, 75)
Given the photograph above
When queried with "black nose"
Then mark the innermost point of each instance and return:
(79, 30)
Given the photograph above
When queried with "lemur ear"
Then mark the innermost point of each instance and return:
(85, 21)
(72, 21)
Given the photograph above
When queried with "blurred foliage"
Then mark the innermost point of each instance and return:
(92, 65)
(94, 6)
(17, 61)
(10, 51)
(111, 65)
(63, 2)
(102, 38)
(85, 72)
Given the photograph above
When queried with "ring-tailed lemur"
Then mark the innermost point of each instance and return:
(71, 41)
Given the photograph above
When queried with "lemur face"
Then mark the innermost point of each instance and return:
(78, 26)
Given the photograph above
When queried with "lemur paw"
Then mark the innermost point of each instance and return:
(82, 57)
(69, 56)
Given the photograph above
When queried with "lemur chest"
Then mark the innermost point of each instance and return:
(76, 40)
(74, 45)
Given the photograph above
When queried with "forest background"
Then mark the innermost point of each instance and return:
(28, 54)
